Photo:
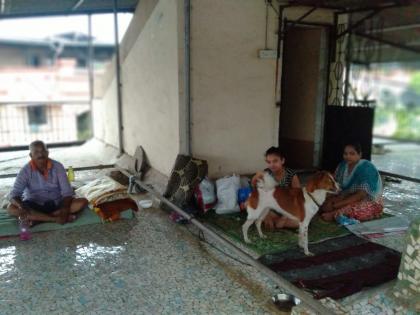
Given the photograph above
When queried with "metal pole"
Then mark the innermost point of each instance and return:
(283, 283)
(187, 73)
(90, 71)
(118, 74)
(348, 65)
(278, 90)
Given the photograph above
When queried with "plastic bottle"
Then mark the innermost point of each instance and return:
(25, 233)
(70, 174)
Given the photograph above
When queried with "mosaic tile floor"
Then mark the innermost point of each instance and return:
(143, 266)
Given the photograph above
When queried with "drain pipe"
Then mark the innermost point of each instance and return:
(118, 75)
(187, 73)
(280, 281)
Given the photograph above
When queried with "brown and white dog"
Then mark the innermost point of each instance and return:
(299, 204)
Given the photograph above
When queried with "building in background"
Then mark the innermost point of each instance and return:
(44, 88)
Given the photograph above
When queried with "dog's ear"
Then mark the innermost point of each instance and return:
(312, 182)
(310, 186)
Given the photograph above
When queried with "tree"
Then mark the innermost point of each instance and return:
(415, 82)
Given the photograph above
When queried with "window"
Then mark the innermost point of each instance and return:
(34, 61)
(81, 63)
(37, 115)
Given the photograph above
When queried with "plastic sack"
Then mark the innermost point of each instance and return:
(227, 190)
(205, 196)
(243, 194)
(245, 182)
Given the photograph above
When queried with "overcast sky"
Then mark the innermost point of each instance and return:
(34, 28)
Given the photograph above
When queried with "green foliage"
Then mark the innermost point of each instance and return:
(84, 128)
(382, 116)
(408, 124)
(415, 82)
(408, 121)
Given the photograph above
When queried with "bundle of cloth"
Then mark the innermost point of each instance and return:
(108, 197)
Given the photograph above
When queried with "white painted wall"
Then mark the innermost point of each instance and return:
(234, 115)
(233, 91)
(105, 116)
(150, 88)
(150, 93)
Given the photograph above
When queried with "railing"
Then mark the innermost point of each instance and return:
(52, 122)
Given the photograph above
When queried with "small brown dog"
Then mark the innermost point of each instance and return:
(298, 204)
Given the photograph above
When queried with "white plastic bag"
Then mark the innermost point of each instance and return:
(227, 194)
(205, 195)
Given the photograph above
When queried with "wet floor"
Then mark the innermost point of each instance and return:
(147, 265)
(401, 198)
(399, 158)
(143, 266)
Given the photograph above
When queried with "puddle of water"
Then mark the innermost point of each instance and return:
(7, 259)
(93, 252)
(402, 199)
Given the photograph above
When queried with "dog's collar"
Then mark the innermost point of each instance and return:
(313, 199)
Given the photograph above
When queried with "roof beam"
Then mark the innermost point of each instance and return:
(364, 9)
(77, 5)
(359, 22)
(388, 42)
(302, 17)
(50, 14)
(396, 28)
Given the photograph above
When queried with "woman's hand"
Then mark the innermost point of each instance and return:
(328, 205)
(257, 176)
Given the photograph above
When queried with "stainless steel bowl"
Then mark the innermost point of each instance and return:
(285, 302)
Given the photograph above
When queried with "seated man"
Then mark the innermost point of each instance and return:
(42, 192)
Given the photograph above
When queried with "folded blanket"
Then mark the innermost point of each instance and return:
(111, 210)
(101, 190)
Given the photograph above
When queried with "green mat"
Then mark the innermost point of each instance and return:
(9, 225)
(279, 240)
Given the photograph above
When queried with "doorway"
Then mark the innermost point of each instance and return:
(303, 97)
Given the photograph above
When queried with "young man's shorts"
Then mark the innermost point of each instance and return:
(48, 207)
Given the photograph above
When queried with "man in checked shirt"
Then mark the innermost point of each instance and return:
(42, 192)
